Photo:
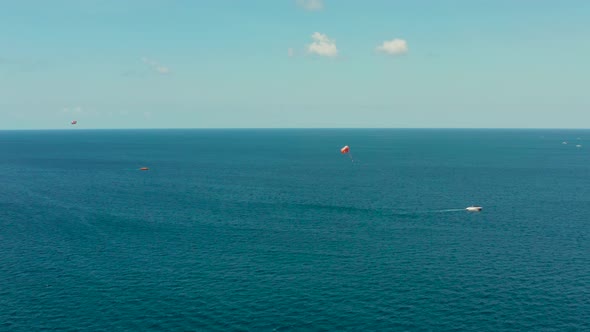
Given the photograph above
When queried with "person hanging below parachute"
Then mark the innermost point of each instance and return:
(346, 150)
(74, 122)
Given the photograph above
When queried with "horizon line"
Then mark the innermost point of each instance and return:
(302, 128)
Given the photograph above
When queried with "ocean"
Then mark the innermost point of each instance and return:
(276, 230)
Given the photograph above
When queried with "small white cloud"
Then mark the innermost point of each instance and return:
(322, 45)
(393, 47)
(72, 110)
(149, 61)
(162, 70)
(311, 5)
(156, 66)
(291, 52)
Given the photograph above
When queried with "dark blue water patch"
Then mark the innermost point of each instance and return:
(276, 230)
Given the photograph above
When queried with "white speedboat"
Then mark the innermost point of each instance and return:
(474, 208)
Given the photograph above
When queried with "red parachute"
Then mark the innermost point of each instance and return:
(74, 122)
(346, 150)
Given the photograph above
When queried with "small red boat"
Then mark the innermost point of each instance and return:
(144, 169)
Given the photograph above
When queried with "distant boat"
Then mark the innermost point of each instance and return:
(474, 208)
(564, 142)
(144, 169)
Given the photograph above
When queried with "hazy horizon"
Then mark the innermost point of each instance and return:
(305, 128)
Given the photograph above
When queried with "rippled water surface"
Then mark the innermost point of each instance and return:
(276, 230)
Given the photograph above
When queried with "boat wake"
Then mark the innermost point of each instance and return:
(445, 210)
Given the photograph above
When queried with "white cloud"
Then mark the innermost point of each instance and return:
(311, 5)
(159, 68)
(322, 45)
(291, 52)
(149, 61)
(72, 110)
(162, 69)
(77, 111)
(393, 47)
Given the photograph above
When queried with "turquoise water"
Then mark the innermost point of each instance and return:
(276, 230)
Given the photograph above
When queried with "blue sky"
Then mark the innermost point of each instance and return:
(254, 63)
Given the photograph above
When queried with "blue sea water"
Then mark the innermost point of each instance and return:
(266, 230)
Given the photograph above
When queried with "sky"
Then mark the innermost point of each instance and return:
(295, 63)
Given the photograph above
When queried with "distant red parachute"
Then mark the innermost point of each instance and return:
(74, 122)
(346, 150)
